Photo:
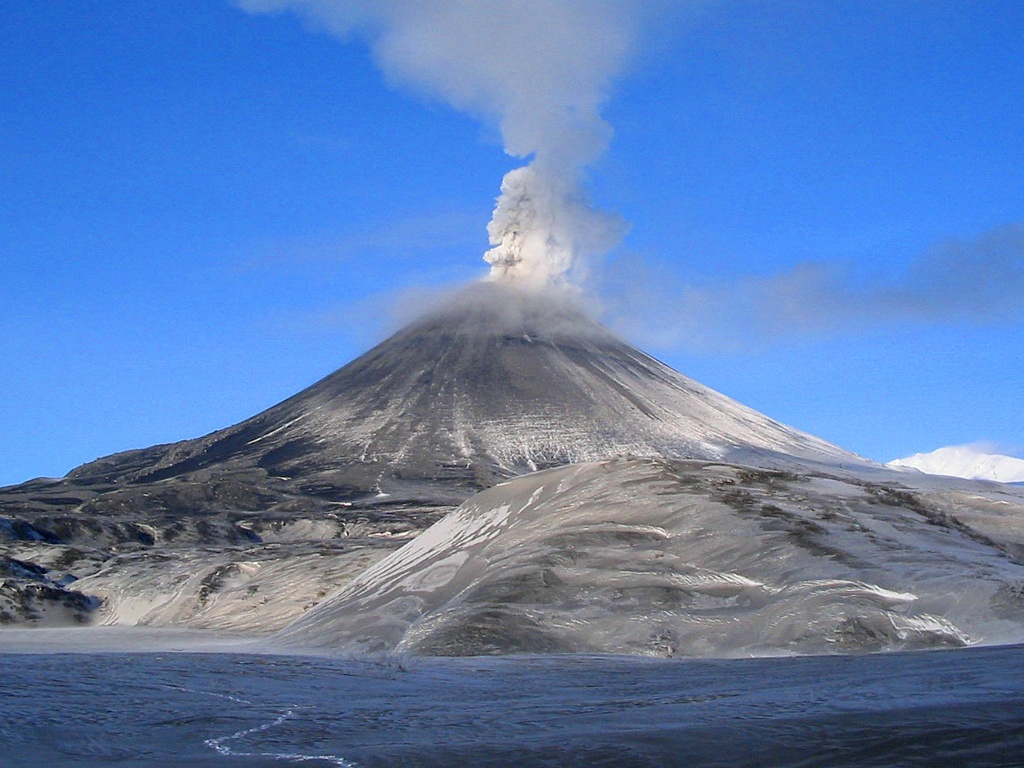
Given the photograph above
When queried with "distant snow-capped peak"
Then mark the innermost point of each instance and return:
(971, 461)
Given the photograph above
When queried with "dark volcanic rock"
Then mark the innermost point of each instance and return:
(30, 595)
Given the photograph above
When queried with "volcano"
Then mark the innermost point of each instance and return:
(255, 528)
(497, 383)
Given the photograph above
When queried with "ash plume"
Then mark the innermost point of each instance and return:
(540, 71)
(543, 228)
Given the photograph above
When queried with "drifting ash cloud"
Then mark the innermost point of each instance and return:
(956, 281)
(539, 70)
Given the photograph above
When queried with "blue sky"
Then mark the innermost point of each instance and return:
(203, 211)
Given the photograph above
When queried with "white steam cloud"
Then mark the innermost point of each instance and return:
(538, 69)
(956, 281)
(543, 227)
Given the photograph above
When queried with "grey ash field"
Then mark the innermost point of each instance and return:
(506, 476)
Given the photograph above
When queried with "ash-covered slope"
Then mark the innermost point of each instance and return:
(498, 383)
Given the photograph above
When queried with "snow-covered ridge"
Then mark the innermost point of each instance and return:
(689, 558)
(967, 461)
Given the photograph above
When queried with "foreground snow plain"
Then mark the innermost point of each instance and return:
(235, 710)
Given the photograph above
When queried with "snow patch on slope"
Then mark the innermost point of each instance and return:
(970, 461)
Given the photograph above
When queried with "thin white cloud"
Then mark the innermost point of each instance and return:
(978, 281)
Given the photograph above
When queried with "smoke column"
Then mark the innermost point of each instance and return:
(538, 69)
